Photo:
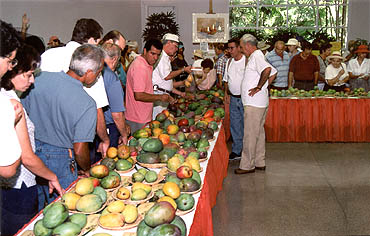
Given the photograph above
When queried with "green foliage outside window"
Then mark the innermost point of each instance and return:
(280, 19)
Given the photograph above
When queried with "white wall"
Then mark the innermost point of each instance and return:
(58, 17)
(359, 19)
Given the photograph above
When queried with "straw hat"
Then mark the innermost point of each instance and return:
(293, 42)
(362, 48)
(335, 54)
(198, 53)
(262, 45)
(171, 37)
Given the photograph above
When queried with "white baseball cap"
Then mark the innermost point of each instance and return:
(172, 37)
(293, 42)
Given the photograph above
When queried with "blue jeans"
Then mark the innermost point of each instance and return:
(57, 159)
(18, 206)
(236, 124)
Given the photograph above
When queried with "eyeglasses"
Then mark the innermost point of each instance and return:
(12, 62)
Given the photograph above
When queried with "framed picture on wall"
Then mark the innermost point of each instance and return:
(211, 28)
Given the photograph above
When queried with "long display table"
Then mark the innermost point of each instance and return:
(318, 120)
(199, 222)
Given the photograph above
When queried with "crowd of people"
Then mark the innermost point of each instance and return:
(66, 104)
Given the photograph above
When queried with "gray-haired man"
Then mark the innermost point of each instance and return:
(64, 116)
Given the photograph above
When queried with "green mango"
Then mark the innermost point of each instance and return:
(153, 145)
(151, 176)
(165, 230)
(123, 165)
(101, 193)
(55, 215)
(143, 229)
(40, 230)
(185, 202)
(179, 222)
(67, 229)
(79, 219)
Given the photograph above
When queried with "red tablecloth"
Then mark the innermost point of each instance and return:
(318, 120)
(216, 172)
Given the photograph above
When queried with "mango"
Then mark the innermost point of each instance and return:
(151, 176)
(79, 219)
(130, 214)
(84, 186)
(110, 181)
(109, 162)
(67, 229)
(89, 203)
(185, 201)
(123, 165)
(99, 171)
(148, 157)
(160, 213)
(40, 230)
(145, 187)
(179, 222)
(70, 199)
(153, 145)
(138, 194)
(101, 193)
(56, 214)
(143, 229)
(116, 207)
(174, 163)
(165, 230)
(112, 220)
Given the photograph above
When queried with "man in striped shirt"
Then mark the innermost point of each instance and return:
(279, 59)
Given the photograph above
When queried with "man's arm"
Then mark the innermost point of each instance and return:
(146, 97)
(263, 78)
(316, 77)
(82, 155)
(290, 79)
(120, 121)
(101, 131)
(176, 73)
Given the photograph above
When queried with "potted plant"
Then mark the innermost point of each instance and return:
(159, 24)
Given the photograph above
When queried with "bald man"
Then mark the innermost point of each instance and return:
(279, 59)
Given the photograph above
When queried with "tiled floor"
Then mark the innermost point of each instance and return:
(307, 189)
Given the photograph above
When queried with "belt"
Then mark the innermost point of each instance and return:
(157, 88)
(236, 96)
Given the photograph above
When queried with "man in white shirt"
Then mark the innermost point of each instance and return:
(163, 75)
(86, 31)
(234, 73)
(255, 100)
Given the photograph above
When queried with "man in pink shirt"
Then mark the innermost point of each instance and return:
(139, 87)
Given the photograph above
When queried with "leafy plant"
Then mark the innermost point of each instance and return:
(159, 24)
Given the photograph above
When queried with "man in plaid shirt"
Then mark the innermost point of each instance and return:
(222, 58)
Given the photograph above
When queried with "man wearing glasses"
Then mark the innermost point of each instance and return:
(163, 75)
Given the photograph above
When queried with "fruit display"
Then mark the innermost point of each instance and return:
(127, 190)
(57, 221)
(296, 93)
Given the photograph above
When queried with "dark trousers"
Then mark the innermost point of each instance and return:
(304, 84)
(18, 206)
(113, 134)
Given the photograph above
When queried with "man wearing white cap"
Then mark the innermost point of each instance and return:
(163, 76)
(293, 47)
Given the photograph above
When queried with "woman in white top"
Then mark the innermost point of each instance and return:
(336, 74)
(19, 193)
(359, 69)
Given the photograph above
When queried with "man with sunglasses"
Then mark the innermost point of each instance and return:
(163, 75)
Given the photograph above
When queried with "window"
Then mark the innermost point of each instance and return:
(306, 17)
